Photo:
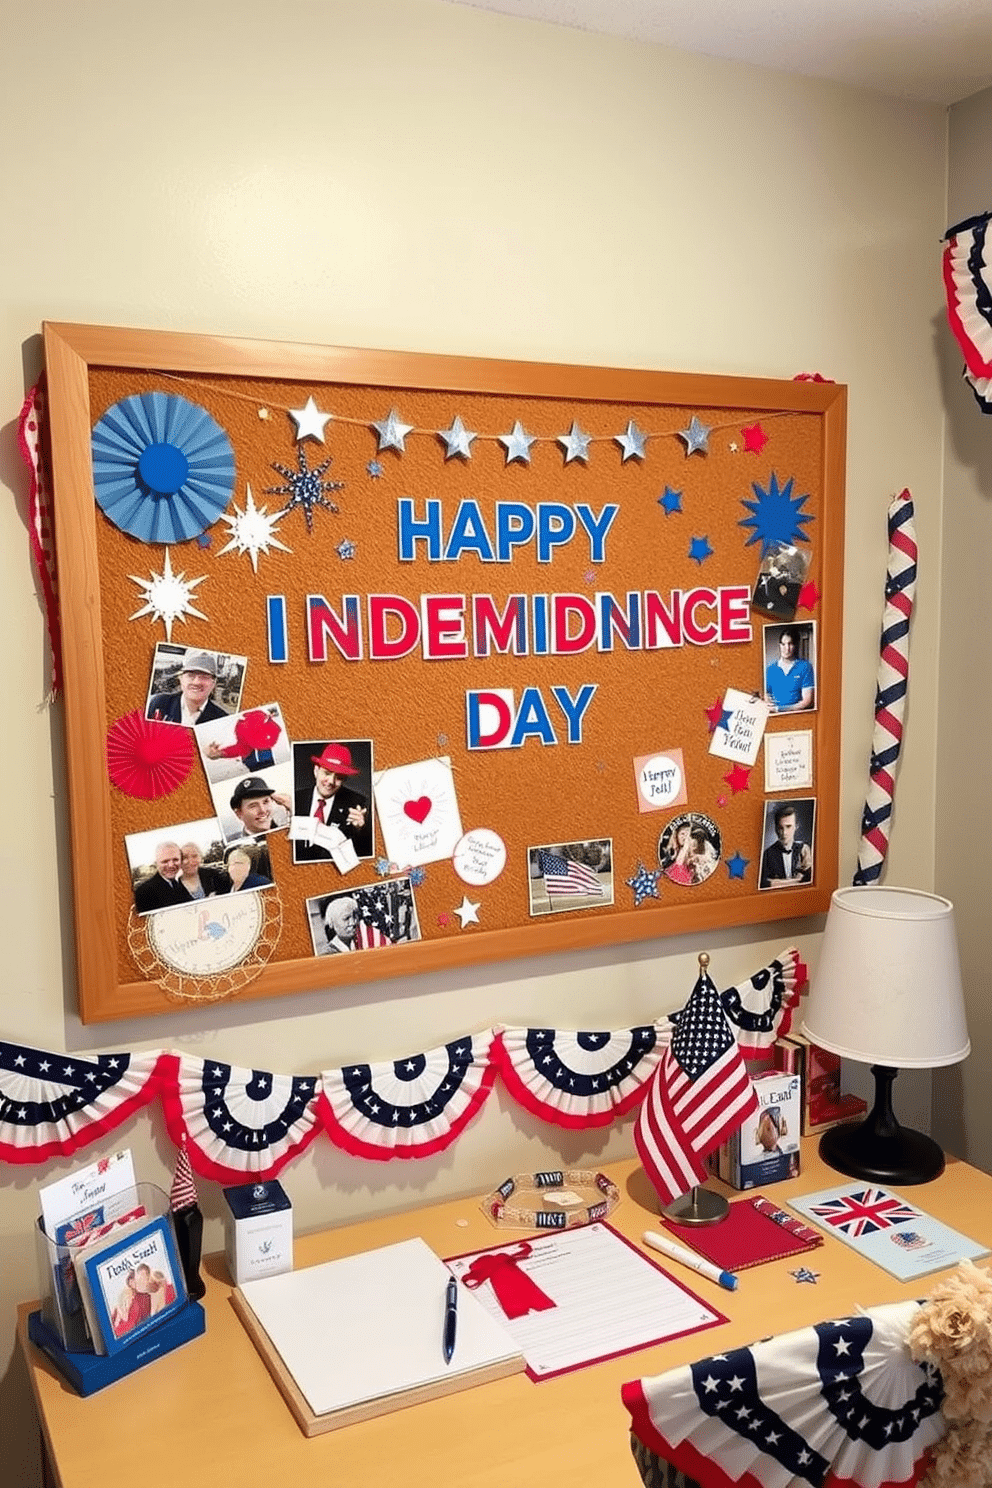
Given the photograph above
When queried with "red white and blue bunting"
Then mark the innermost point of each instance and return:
(240, 1124)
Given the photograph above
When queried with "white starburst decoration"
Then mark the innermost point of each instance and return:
(252, 531)
(168, 596)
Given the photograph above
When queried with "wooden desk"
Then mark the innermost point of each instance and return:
(210, 1408)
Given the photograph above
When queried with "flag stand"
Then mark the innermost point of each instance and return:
(700, 1206)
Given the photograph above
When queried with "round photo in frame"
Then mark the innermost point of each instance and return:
(689, 849)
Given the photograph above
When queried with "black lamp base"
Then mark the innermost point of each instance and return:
(878, 1148)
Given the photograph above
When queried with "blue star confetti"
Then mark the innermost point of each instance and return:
(346, 548)
(670, 501)
(699, 548)
(644, 884)
(374, 469)
(203, 541)
(803, 1273)
(383, 867)
(736, 865)
(777, 516)
(305, 488)
(417, 876)
(696, 437)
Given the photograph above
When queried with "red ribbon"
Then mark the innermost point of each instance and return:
(513, 1289)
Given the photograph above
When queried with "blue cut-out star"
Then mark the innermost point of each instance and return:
(671, 501)
(417, 876)
(777, 517)
(644, 884)
(725, 716)
(699, 548)
(346, 548)
(696, 437)
(736, 865)
(374, 469)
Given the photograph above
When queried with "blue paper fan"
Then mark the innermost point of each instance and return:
(163, 469)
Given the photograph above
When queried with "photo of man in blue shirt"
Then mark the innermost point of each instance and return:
(790, 685)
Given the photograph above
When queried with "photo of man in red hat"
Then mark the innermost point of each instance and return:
(321, 769)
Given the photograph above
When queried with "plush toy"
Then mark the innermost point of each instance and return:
(953, 1332)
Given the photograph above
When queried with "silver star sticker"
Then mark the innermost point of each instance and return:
(696, 436)
(391, 432)
(458, 439)
(631, 442)
(575, 444)
(517, 444)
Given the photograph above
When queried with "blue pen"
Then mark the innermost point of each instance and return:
(450, 1319)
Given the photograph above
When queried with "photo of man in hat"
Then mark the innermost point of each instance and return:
(259, 807)
(321, 769)
(193, 703)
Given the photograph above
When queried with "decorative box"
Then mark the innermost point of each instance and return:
(766, 1148)
(258, 1230)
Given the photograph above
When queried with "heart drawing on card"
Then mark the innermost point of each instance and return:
(418, 810)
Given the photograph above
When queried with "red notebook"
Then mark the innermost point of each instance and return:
(754, 1231)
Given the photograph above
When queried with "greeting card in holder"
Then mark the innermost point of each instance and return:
(131, 1285)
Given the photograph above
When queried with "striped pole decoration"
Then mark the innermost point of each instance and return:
(890, 691)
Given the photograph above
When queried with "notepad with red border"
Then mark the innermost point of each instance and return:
(754, 1231)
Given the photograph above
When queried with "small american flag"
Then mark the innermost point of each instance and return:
(564, 876)
(699, 1094)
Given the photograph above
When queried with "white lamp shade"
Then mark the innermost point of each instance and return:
(888, 986)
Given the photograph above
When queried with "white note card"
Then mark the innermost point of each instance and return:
(371, 1325)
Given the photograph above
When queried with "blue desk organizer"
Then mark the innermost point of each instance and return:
(90, 1372)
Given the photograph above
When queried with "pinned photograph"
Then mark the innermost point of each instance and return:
(190, 685)
(570, 875)
(790, 660)
(332, 801)
(787, 856)
(183, 864)
(780, 581)
(255, 804)
(254, 740)
(363, 919)
(689, 849)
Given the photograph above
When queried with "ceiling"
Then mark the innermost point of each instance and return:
(934, 51)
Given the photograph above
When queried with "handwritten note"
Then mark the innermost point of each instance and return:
(738, 735)
(789, 762)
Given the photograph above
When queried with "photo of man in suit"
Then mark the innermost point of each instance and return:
(164, 888)
(193, 703)
(320, 774)
(787, 861)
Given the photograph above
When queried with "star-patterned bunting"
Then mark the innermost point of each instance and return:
(755, 439)
(575, 444)
(458, 440)
(736, 865)
(670, 501)
(305, 488)
(696, 437)
(392, 434)
(631, 442)
(309, 421)
(738, 779)
(517, 444)
(644, 884)
(809, 597)
(467, 912)
(699, 548)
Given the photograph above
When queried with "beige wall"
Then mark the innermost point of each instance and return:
(430, 177)
(962, 1114)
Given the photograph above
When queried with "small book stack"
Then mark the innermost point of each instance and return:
(823, 1105)
(111, 1273)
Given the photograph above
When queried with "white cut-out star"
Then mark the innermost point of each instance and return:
(168, 596)
(458, 440)
(575, 444)
(252, 531)
(517, 444)
(468, 912)
(309, 421)
(391, 432)
(631, 441)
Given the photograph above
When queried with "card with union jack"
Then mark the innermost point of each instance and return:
(886, 1228)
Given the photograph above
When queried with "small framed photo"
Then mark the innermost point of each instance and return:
(790, 667)
(135, 1284)
(363, 919)
(788, 844)
(570, 875)
(780, 582)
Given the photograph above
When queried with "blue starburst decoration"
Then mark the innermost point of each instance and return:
(777, 516)
(670, 501)
(417, 876)
(699, 548)
(374, 469)
(305, 487)
(346, 549)
(736, 865)
(383, 867)
(644, 884)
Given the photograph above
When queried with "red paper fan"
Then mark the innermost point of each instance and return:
(146, 759)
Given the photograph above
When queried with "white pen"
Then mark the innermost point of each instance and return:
(689, 1258)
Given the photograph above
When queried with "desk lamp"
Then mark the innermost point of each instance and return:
(887, 993)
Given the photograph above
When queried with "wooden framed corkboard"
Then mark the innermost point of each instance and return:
(539, 611)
